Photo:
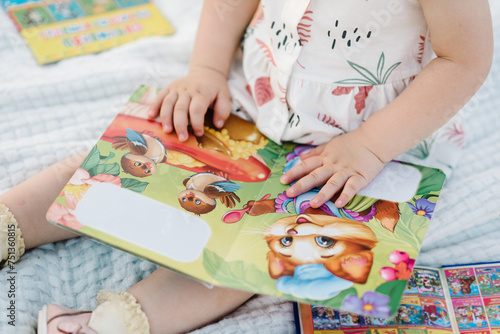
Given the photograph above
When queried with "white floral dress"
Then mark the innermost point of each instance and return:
(314, 69)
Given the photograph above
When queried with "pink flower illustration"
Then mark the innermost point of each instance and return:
(63, 215)
(403, 266)
(73, 192)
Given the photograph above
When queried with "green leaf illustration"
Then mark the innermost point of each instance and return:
(389, 71)
(420, 151)
(138, 93)
(349, 82)
(103, 158)
(432, 180)
(392, 289)
(369, 78)
(380, 65)
(211, 262)
(335, 302)
(92, 159)
(134, 185)
(364, 72)
(109, 169)
(238, 274)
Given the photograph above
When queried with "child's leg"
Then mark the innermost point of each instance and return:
(30, 200)
(164, 302)
(174, 303)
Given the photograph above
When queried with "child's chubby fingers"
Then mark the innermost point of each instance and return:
(222, 109)
(315, 178)
(167, 109)
(318, 150)
(330, 187)
(180, 116)
(353, 184)
(303, 168)
(197, 110)
(155, 106)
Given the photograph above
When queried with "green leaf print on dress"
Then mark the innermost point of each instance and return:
(369, 78)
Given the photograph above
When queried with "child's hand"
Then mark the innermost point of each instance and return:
(344, 163)
(186, 100)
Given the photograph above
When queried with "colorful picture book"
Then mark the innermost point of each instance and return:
(459, 299)
(213, 208)
(58, 29)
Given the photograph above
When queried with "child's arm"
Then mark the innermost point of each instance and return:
(462, 38)
(186, 100)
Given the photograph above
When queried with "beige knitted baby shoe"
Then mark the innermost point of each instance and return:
(116, 313)
(11, 242)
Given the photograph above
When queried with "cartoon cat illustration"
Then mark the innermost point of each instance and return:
(202, 190)
(342, 246)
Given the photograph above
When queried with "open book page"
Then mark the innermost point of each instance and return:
(475, 296)
(143, 191)
(58, 29)
(423, 309)
(339, 258)
(213, 208)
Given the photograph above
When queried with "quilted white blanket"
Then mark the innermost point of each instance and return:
(52, 112)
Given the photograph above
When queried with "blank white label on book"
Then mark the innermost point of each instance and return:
(144, 222)
(396, 182)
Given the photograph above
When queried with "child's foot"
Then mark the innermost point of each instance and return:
(115, 313)
(55, 319)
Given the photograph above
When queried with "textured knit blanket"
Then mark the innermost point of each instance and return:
(52, 112)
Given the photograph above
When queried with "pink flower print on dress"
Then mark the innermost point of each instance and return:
(328, 120)
(248, 89)
(266, 50)
(421, 49)
(342, 90)
(360, 98)
(263, 91)
(304, 27)
(283, 90)
(455, 133)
